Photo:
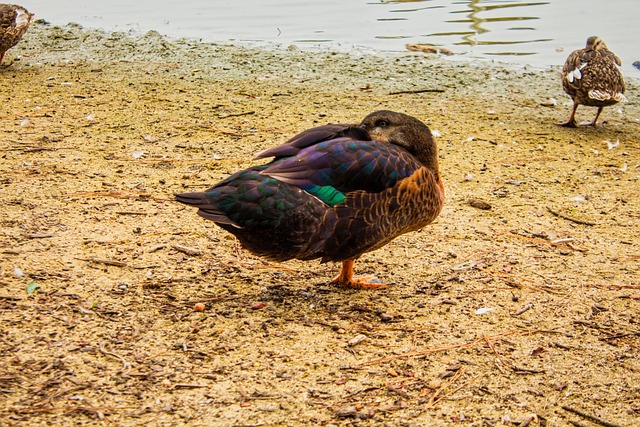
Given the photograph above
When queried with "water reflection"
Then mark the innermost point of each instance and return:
(483, 16)
(478, 21)
(497, 23)
(475, 27)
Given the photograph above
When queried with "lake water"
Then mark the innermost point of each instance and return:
(539, 33)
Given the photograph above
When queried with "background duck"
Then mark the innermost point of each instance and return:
(332, 192)
(14, 21)
(591, 76)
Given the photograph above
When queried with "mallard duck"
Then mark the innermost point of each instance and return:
(591, 76)
(332, 192)
(14, 21)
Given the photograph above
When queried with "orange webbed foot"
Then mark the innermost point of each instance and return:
(346, 279)
(366, 282)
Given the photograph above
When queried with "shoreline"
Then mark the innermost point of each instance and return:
(343, 67)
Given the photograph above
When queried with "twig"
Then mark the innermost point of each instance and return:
(104, 261)
(568, 218)
(246, 113)
(434, 398)
(403, 92)
(187, 250)
(422, 353)
(511, 279)
(498, 360)
(631, 122)
(51, 410)
(593, 418)
(629, 258)
(522, 310)
(126, 366)
(131, 213)
(536, 239)
(367, 327)
(186, 385)
(29, 149)
(612, 286)
(38, 235)
(454, 391)
(118, 194)
(362, 390)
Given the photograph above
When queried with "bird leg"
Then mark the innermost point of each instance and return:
(5, 65)
(571, 123)
(593, 123)
(346, 280)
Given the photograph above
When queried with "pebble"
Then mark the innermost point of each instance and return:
(479, 204)
(356, 340)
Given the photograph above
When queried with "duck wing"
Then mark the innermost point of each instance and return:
(331, 169)
(314, 136)
(270, 218)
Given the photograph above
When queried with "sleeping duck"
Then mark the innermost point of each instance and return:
(332, 192)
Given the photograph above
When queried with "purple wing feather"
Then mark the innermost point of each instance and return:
(314, 136)
(346, 165)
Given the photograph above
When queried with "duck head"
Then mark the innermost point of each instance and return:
(404, 131)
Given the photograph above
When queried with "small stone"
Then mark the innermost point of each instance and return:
(356, 340)
(385, 317)
(479, 204)
(346, 412)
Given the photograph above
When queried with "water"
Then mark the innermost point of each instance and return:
(540, 33)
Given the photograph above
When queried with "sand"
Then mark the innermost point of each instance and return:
(514, 315)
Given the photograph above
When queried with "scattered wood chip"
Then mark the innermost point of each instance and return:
(588, 416)
(479, 204)
(225, 115)
(185, 385)
(569, 218)
(403, 92)
(38, 235)
(187, 250)
(131, 213)
(522, 310)
(349, 412)
(356, 340)
(258, 306)
(105, 261)
(427, 48)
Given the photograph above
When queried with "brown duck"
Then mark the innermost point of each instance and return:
(14, 21)
(591, 76)
(332, 192)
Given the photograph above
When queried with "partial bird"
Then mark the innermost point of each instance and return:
(592, 76)
(14, 21)
(332, 192)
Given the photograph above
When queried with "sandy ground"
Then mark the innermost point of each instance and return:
(521, 314)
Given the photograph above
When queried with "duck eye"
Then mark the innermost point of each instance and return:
(381, 123)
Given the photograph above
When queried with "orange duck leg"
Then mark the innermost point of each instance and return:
(346, 280)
